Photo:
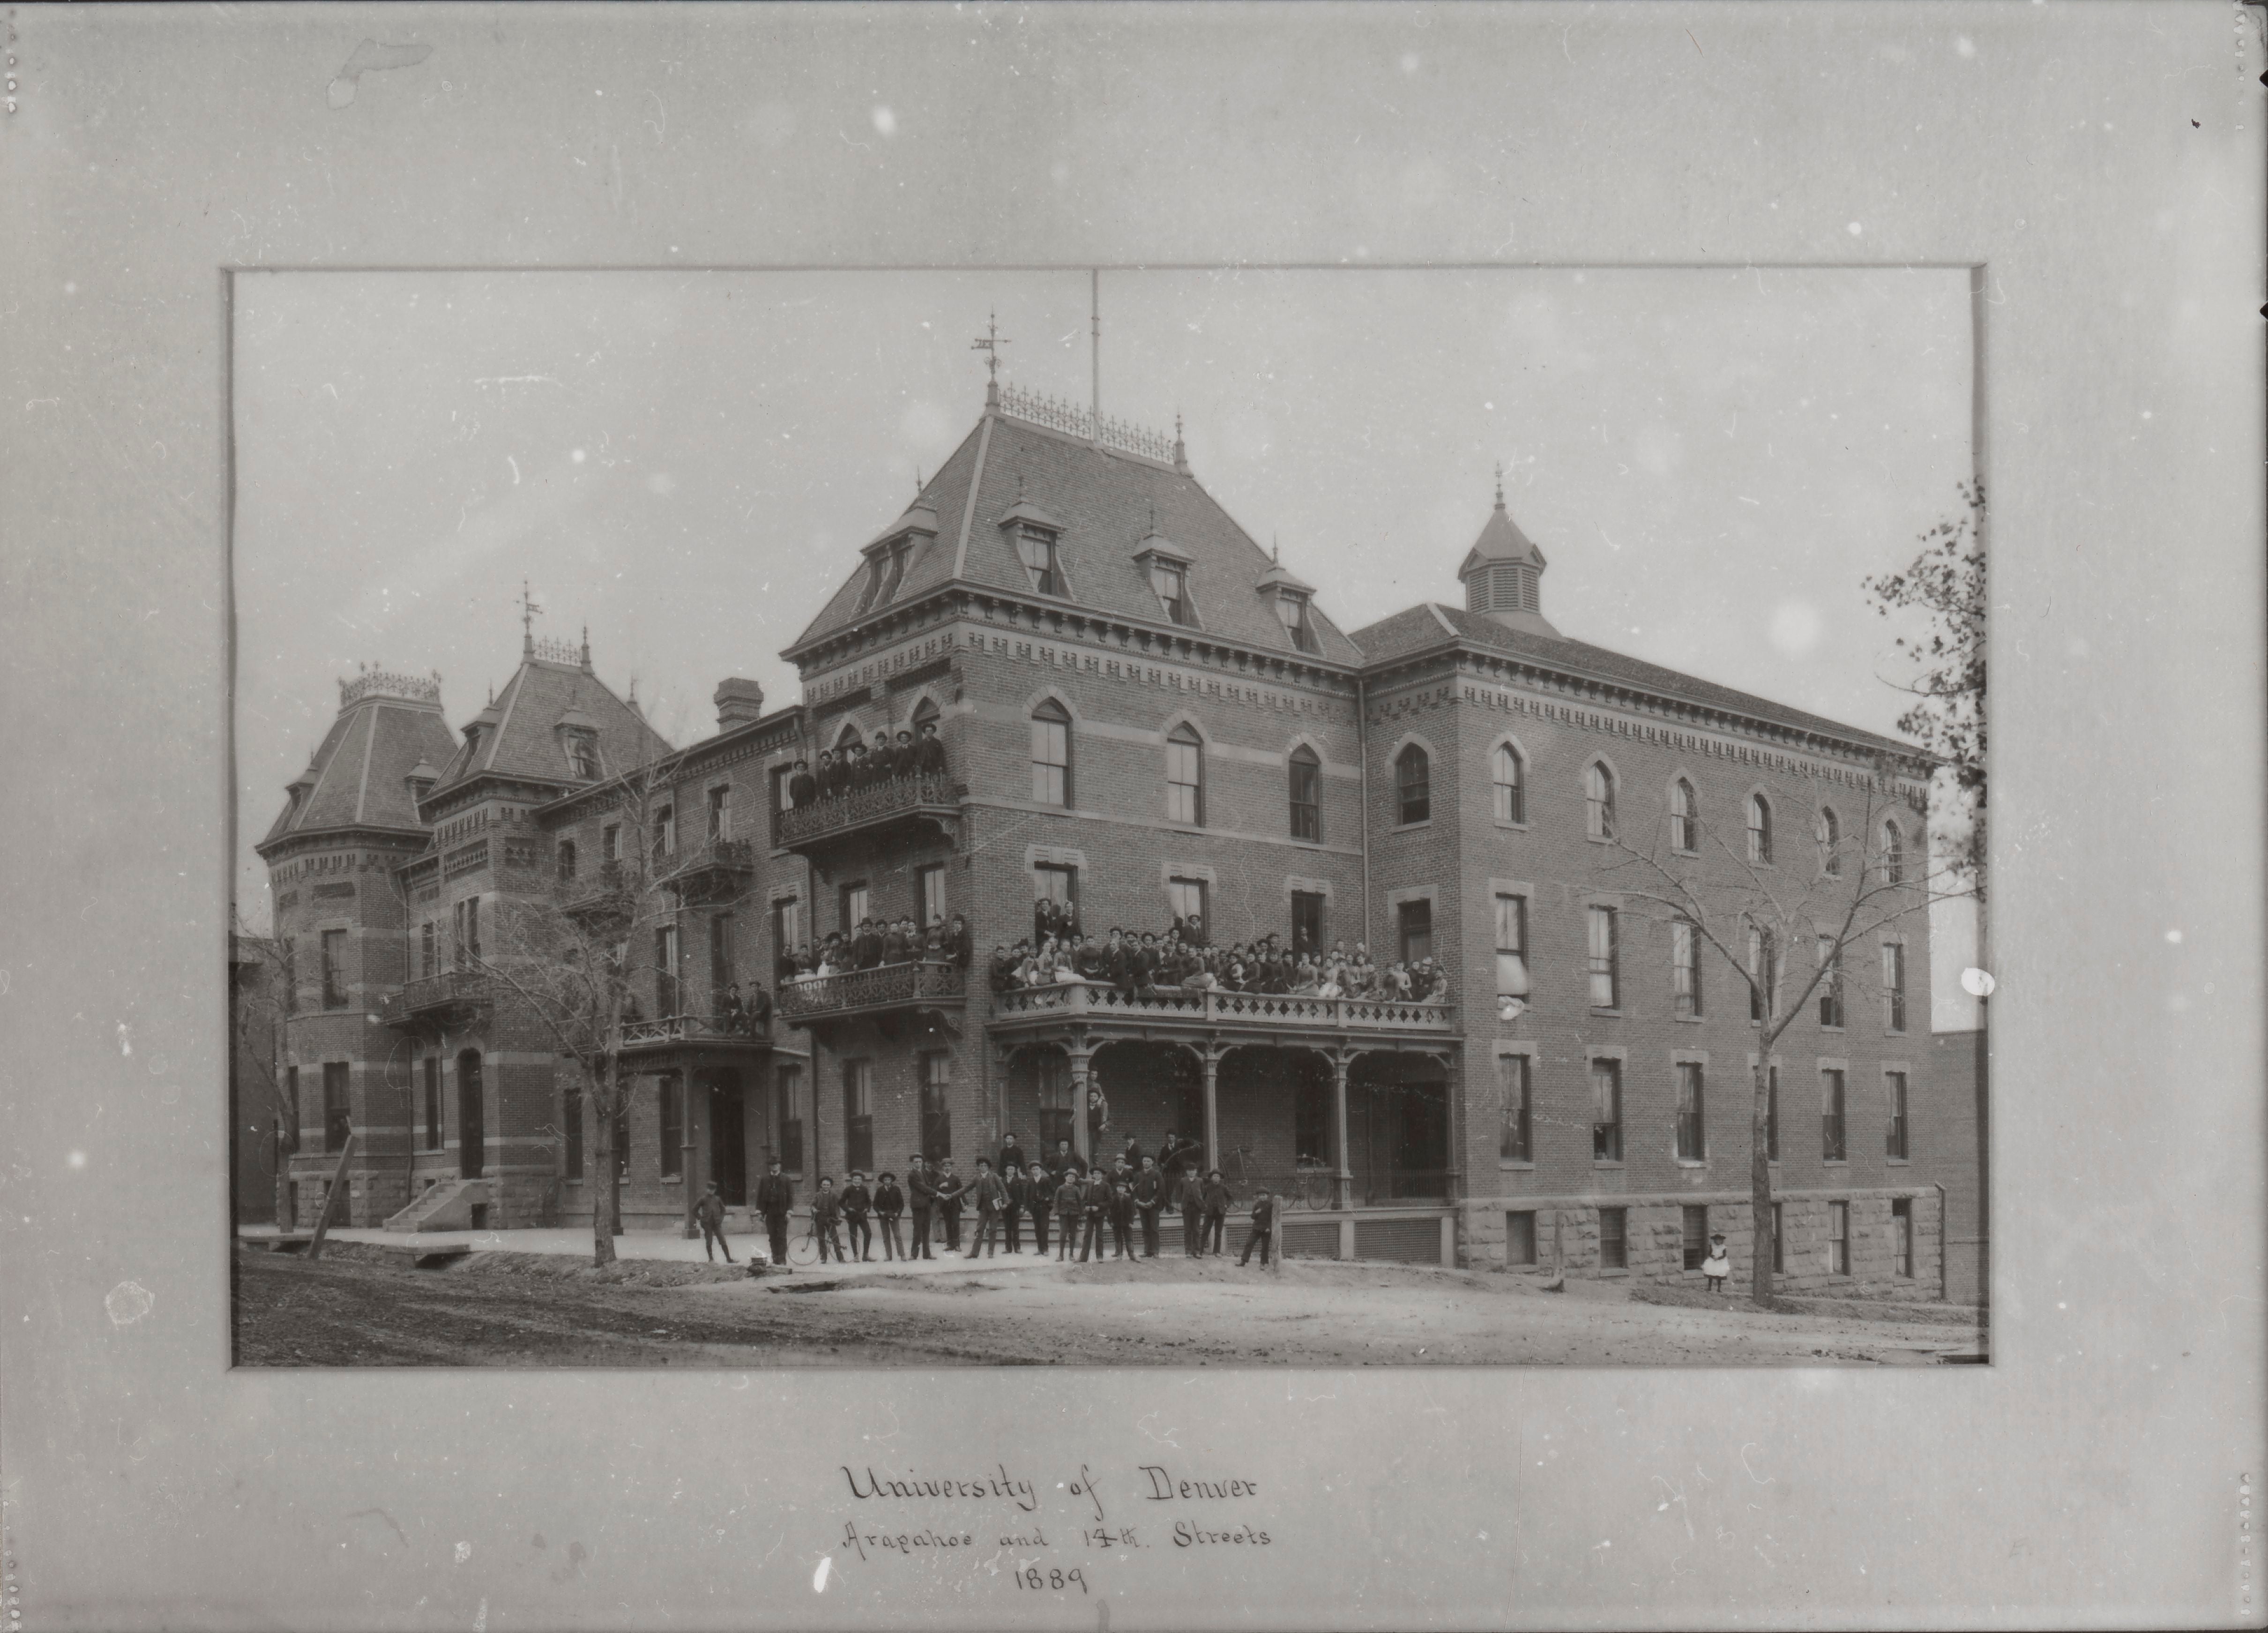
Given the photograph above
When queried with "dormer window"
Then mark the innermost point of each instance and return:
(1171, 580)
(582, 756)
(1036, 548)
(885, 570)
(1291, 609)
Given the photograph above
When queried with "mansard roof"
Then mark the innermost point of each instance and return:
(1431, 626)
(359, 776)
(1107, 503)
(521, 737)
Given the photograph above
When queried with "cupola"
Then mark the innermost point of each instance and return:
(1503, 574)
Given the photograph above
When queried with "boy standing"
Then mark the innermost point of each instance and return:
(1149, 1189)
(1038, 1196)
(950, 1189)
(826, 1209)
(709, 1212)
(992, 1199)
(923, 1189)
(856, 1201)
(1071, 1207)
(889, 1203)
(1217, 1199)
(1263, 1230)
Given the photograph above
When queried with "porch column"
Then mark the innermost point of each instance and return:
(693, 1170)
(1340, 1061)
(1081, 1142)
(1210, 1059)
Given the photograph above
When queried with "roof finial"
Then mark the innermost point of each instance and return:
(527, 612)
(990, 342)
(1275, 550)
(917, 481)
(1500, 484)
(1180, 452)
(586, 649)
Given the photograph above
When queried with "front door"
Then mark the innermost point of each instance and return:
(728, 1139)
(472, 1136)
(1421, 1154)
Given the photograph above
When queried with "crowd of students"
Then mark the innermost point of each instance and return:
(875, 942)
(854, 766)
(1097, 1208)
(1182, 959)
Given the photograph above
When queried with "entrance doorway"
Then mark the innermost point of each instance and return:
(728, 1139)
(1402, 1140)
(472, 1128)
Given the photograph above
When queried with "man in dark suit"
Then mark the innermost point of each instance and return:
(929, 753)
(1039, 1198)
(826, 1209)
(867, 946)
(775, 1195)
(802, 787)
(1066, 1161)
(1094, 1214)
(1217, 1199)
(1011, 1211)
(856, 1203)
(889, 1203)
(1121, 1220)
(956, 949)
(951, 1187)
(884, 760)
(1189, 1196)
(756, 1010)
(922, 1187)
(1147, 961)
(904, 757)
(990, 1196)
(828, 776)
(1149, 1188)
(1070, 1212)
(1013, 1159)
(1044, 922)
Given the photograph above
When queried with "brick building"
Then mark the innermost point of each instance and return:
(1147, 714)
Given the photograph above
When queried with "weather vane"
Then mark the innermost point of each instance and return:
(990, 342)
(527, 612)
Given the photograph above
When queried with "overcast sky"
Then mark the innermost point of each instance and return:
(686, 463)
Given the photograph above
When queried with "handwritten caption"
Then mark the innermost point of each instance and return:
(1054, 1531)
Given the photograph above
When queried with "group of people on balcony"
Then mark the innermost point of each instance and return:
(876, 942)
(742, 1015)
(854, 766)
(1183, 960)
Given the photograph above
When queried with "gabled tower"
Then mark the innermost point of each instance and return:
(1503, 573)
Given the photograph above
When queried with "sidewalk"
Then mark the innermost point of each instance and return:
(575, 1240)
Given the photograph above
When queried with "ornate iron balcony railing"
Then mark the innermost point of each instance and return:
(1094, 999)
(887, 986)
(675, 1030)
(859, 807)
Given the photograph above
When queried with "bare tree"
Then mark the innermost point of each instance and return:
(1947, 581)
(1785, 910)
(259, 1013)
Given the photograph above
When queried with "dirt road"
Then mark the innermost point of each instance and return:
(370, 1309)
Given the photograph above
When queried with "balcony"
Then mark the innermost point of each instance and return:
(1257, 1016)
(716, 870)
(899, 803)
(887, 989)
(441, 1000)
(691, 1036)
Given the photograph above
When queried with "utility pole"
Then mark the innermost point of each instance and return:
(1095, 358)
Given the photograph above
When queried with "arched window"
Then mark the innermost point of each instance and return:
(849, 736)
(1894, 854)
(1510, 798)
(1684, 818)
(1307, 794)
(1599, 801)
(1413, 784)
(1185, 777)
(1051, 754)
(924, 714)
(1831, 843)
(1759, 829)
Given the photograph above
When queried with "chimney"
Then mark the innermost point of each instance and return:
(737, 702)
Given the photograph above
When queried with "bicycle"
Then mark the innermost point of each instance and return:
(805, 1249)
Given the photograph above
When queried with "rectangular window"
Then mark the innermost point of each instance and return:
(1511, 946)
(433, 1103)
(1894, 985)
(1614, 1238)
(1038, 550)
(1051, 1076)
(338, 1118)
(787, 927)
(566, 857)
(1413, 924)
(1893, 1137)
(425, 965)
(1292, 612)
(722, 974)
(1830, 984)
(858, 907)
(1513, 1145)
(1830, 1115)
(299, 1109)
(1185, 779)
(571, 1126)
(1780, 1236)
(936, 1107)
(720, 813)
(466, 943)
(666, 972)
(1692, 1138)
(1839, 1239)
(790, 1119)
(1171, 584)
(1902, 1237)
(1306, 797)
(1185, 898)
(610, 842)
(1306, 921)
(1606, 1111)
(1520, 1237)
(1606, 987)
(1697, 1235)
(1050, 756)
(1764, 972)
(1685, 969)
(665, 834)
(859, 1115)
(781, 776)
(335, 969)
(669, 1091)
(1771, 1113)
(930, 884)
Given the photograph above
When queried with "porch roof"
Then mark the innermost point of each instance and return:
(1100, 1014)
